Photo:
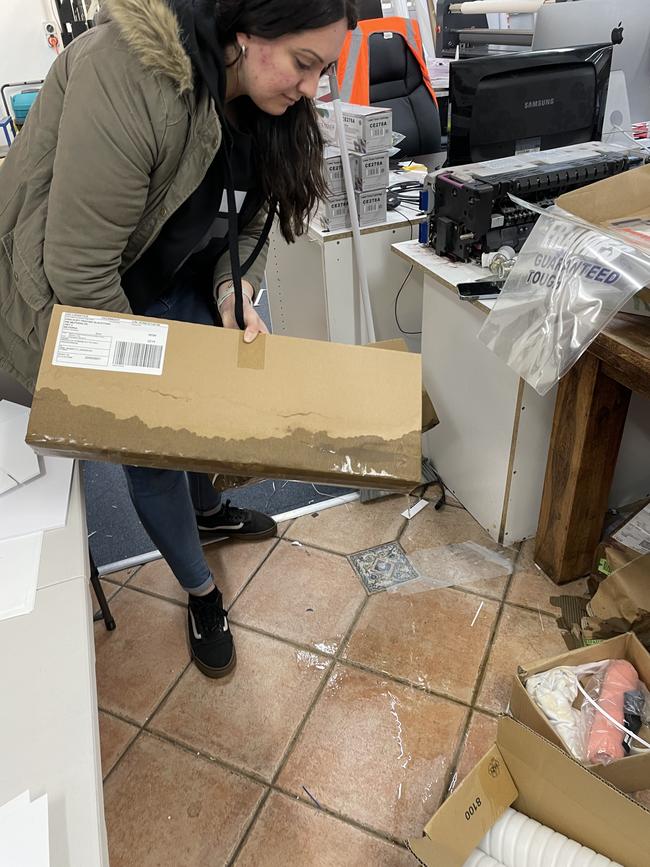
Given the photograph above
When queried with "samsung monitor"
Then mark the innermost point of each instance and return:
(501, 106)
(624, 23)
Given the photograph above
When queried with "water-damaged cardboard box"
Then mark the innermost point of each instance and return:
(162, 393)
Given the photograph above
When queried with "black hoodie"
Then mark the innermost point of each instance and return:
(209, 222)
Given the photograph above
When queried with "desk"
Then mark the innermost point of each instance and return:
(590, 414)
(493, 438)
(49, 730)
(313, 292)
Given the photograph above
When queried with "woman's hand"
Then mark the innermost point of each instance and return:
(254, 324)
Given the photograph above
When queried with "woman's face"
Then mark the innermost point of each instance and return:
(275, 73)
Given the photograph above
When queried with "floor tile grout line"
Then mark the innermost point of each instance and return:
(249, 827)
(119, 716)
(453, 765)
(255, 571)
(490, 645)
(258, 780)
(166, 695)
(319, 692)
(477, 593)
(348, 820)
(121, 758)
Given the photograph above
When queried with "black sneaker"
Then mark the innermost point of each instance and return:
(211, 642)
(234, 523)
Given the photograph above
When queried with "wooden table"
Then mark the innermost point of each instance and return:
(590, 413)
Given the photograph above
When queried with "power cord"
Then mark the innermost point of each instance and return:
(401, 288)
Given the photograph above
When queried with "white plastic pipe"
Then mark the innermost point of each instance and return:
(511, 7)
(480, 859)
(367, 324)
(518, 841)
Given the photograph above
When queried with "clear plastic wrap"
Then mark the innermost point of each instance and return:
(567, 284)
(596, 730)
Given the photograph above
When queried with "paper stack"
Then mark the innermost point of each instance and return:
(24, 833)
(34, 495)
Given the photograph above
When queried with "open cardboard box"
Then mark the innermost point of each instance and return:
(620, 204)
(526, 772)
(630, 774)
(162, 393)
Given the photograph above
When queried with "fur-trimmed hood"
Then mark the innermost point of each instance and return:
(152, 31)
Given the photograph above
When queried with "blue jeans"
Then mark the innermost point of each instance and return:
(166, 500)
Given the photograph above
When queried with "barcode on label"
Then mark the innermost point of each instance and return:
(377, 170)
(128, 354)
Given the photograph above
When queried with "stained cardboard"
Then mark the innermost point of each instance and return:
(429, 415)
(630, 774)
(622, 197)
(525, 771)
(278, 408)
(622, 602)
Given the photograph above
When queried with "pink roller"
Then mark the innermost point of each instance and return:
(605, 740)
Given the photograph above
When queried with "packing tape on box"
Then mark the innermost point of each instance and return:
(252, 356)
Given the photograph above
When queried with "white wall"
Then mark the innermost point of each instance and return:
(24, 52)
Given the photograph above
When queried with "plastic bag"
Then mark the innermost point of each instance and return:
(595, 730)
(567, 284)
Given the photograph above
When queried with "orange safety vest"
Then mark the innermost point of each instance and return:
(354, 62)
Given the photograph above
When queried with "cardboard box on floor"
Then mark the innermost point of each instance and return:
(620, 204)
(524, 771)
(630, 774)
(279, 407)
(622, 603)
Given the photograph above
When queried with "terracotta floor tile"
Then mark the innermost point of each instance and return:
(522, 637)
(139, 661)
(233, 563)
(304, 595)
(531, 587)
(376, 752)
(431, 530)
(156, 577)
(290, 834)
(249, 717)
(417, 636)
(352, 527)
(122, 576)
(167, 808)
(115, 735)
(479, 738)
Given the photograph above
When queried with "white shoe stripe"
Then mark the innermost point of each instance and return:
(221, 527)
(197, 635)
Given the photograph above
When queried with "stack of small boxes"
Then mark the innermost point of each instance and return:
(369, 133)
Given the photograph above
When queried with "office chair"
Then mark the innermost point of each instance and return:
(104, 612)
(396, 83)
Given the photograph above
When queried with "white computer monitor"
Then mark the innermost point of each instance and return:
(624, 22)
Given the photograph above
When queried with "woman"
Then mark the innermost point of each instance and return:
(145, 180)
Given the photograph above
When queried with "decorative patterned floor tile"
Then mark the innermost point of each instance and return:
(383, 567)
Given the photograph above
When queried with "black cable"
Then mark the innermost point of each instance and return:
(401, 288)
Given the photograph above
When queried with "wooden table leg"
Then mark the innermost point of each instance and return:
(587, 428)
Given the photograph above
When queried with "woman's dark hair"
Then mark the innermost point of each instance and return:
(290, 146)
